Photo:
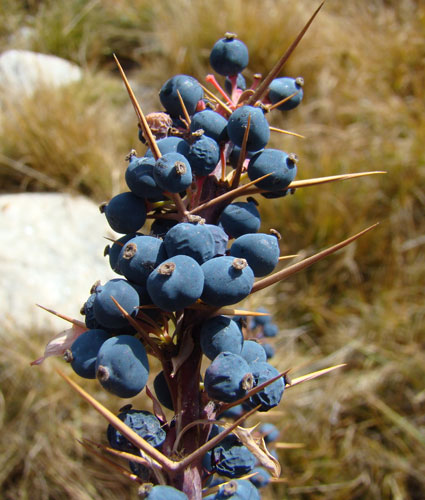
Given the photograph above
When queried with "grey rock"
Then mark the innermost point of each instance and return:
(23, 71)
(51, 252)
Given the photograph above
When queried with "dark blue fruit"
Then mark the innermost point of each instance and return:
(190, 91)
(140, 256)
(219, 334)
(176, 283)
(270, 350)
(261, 478)
(231, 458)
(228, 377)
(160, 227)
(220, 239)
(106, 312)
(203, 156)
(232, 413)
(253, 351)
(228, 280)
(213, 124)
(261, 320)
(83, 352)
(260, 250)
(172, 172)
(281, 88)
(270, 330)
(194, 240)
(170, 145)
(238, 489)
(122, 366)
(139, 178)
(229, 56)
(161, 492)
(269, 396)
(143, 423)
(241, 217)
(269, 432)
(114, 250)
(259, 131)
(162, 391)
(125, 213)
(281, 166)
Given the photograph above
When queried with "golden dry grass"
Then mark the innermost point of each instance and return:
(363, 63)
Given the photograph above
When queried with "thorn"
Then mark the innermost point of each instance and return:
(264, 85)
(141, 117)
(299, 266)
(242, 154)
(75, 322)
(285, 257)
(217, 100)
(118, 424)
(287, 132)
(313, 375)
(234, 193)
(185, 113)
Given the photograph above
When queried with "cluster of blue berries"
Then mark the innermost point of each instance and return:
(203, 253)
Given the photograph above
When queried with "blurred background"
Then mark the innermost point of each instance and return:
(363, 63)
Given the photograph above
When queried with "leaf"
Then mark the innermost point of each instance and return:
(157, 408)
(186, 349)
(60, 343)
(258, 448)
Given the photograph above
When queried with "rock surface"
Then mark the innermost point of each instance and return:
(51, 253)
(23, 71)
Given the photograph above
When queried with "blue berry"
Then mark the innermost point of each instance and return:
(269, 432)
(259, 131)
(261, 478)
(280, 88)
(125, 213)
(176, 283)
(270, 350)
(269, 396)
(122, 366)
(219, 334)
(241, 217)
(238, 489)
(231, 458)
(114, 250)
(194, 240)
(233, 412)
(172, 172)
(160, 227)
(253, 351)
(140, 256)
(220, 239)
(270, 330)
(261, 320)
(143, 423)
(227, 281)
(170, 145)
(213, 124)
(229, 56)
(83, 352)
(106, 312)
(279, 164)
(161, 492)
(260, 250)
(190, 91)
(228, 377)
(139, 178)
(203, 156)
(162, 391)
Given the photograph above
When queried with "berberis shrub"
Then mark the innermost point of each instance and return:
(176, 294)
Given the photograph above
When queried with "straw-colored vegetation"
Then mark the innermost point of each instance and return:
(364, 67)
